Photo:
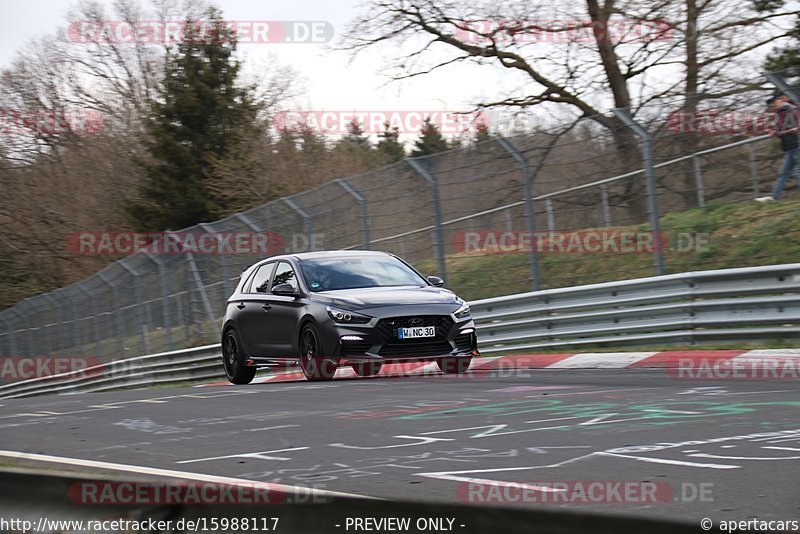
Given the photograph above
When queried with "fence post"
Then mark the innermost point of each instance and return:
(551, 220)
(308, 221)
(438, 234)
(223, 259)
(162, 282)
(137, 295)
(751, 158)
(778, 81)
(362, 210)
(194, 276)
(76, 322)
(94, 321)
(120, 320)
(12, 346)
(45, 329)
(530, 215)
(650, 183)
(698, 182)
(606, 209)
(54, 346)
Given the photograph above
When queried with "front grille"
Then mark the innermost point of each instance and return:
(416, 348)
(443, 324)
(420, 347)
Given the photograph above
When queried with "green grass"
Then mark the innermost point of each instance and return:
(737, 235)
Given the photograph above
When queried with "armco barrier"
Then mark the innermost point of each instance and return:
(752, 304)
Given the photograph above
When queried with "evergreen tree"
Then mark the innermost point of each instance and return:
(430, 140)
(355, 133)
(785, 60)
(482, 132)
(196, 119)
(389, 147)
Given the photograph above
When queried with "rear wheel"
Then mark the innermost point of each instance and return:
(233, 361)
(315, 367)
(367, 369)
(454, 366)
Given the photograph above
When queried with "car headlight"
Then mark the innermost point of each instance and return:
(463, 312)
(347, 317)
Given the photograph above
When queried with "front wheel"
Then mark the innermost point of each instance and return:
(315, 367)
(233, 361)
(454, 366)
(367, 369)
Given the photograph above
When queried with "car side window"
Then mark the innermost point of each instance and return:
(261, 279)
(285, 274)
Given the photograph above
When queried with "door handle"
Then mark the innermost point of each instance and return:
(266, 307)
(241, 306)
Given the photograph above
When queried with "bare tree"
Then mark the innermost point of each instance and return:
(583, 57)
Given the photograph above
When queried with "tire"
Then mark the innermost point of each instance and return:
(454, 366)
(367, 369)
(233, 360)
(315, 367)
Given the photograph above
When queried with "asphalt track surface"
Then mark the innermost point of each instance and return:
(652, 444)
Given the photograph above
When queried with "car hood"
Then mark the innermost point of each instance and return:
(370, 298)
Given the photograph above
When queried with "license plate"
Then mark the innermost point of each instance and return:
(416, 331)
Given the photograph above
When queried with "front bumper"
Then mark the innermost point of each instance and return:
(378, 340)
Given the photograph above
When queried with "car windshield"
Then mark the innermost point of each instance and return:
(351, 273)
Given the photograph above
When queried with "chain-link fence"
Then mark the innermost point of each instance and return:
(590, 201)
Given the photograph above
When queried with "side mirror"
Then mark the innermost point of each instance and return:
(436, 281)
(285, 290)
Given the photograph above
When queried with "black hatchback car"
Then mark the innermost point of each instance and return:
(323, 310)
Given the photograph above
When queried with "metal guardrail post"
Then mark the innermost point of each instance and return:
(698, 182)
(308, 221)
(438, 233)
(362, 210)
(650, 182)
(530, 214)
(778, 81)
(753, 161)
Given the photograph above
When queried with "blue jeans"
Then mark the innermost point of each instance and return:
(788, 168)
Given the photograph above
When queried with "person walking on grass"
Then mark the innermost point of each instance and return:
(787, 120)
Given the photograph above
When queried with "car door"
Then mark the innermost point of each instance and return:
(252, 317)
(284, 315)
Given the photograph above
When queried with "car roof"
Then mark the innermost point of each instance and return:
(321, 254)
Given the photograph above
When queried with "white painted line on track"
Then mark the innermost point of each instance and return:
(179, 474)
(598, 360)
(263, 455)
(671, 462)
